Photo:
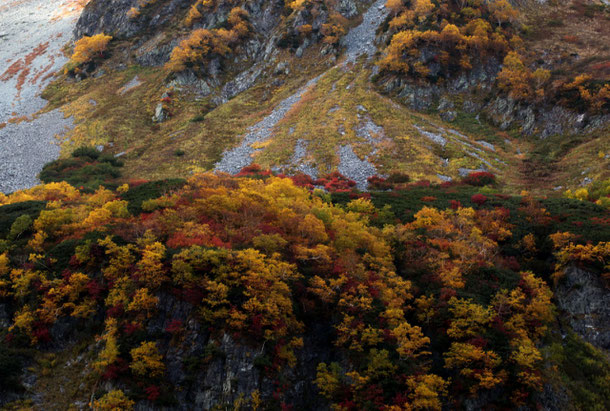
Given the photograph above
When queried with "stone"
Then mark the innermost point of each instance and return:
(187, 79)
(281, 68)
(242, 82)
(160, 114)
(449, 115)
(348, 9)
(445, 104)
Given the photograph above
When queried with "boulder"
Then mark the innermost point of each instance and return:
(161, 114)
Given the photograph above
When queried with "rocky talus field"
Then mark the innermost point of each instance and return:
(32, 37)
(304, 205)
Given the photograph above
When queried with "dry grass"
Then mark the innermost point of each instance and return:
(589, 159)
(124, 121)
(326, 117)
(330, 113)
(572, 35)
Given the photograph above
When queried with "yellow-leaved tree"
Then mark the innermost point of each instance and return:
(88, 48)
(147, 360)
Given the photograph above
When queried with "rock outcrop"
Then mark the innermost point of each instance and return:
(476, 93)
(210, 370)
(111, 17)
(586, 301)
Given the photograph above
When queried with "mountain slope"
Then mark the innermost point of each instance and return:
(212, 115)
(316, 204)
(252, 292)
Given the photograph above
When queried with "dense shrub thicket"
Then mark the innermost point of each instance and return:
(87, 169)
(433, 296)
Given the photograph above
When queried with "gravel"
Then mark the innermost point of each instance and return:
(27, 147)
(487, 145)
(33, 34)
(370, 131)
(241, 156)
(353, 168)
(435, 137)
(297, 165)
(360, 40)
(481, 159)
(350, 165)
(457, 133)
(300, 150)
(465, 144)
(444, 178)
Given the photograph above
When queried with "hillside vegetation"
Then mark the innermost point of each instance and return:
(318, 204)
(448, 287)
(465, 67)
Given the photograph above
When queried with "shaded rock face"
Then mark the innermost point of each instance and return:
(554, 398)
(477, 91)
(209, 371)
(155, 51)
(5, 319)
(107, 16)
(110, 17)
(423, 97)
(505, 112)
(550, 398)
(348, 8)
(240, 83)
(154, 47)
(586, 300)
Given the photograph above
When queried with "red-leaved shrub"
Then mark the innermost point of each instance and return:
(479, 179)
(336, 182)
(478, 199)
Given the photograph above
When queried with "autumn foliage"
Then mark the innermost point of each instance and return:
(88, 48)
(479, 179)
(203, 45)
(434, 40)
(437, 41)
(426, 310)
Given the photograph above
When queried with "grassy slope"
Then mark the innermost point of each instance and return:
(125, 121)
(203, 132)
(572, 35)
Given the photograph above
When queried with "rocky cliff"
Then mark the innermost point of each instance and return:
(586, 302)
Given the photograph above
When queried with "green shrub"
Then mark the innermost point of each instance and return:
(398, 178)
(86, 169)
(22, 224)
(89, 152)
(11, 212)
(583, 370)
(62, 253)
(11, 367)
(154, 189)
(198, 118)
